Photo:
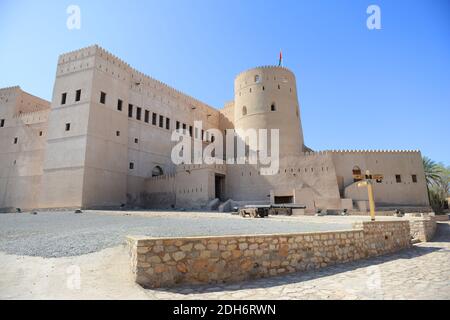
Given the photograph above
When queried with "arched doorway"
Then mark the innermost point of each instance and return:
(157, 171)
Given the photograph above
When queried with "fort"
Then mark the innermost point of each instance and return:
(104, 141)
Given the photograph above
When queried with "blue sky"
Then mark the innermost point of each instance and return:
(358, 88)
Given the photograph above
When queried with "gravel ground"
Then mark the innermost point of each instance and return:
(67, 234)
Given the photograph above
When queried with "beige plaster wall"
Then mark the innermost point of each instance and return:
(25, 118)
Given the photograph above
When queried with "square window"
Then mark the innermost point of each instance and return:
(78, 95)
(147, 116)
(154, 119)
(119, 105)
(414, 178)
(64, 98)
(161, 121)
(130, 111)
(138, 113)
(131, 165)
(67, 126)
(167, 123)
(398, 178)
(2, 123)
(102, 97)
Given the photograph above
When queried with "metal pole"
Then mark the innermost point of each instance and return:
(371, 201)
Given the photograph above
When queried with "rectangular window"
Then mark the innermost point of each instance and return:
(67, 126)
(131, 165)
(167, 123)
(136, 140)
(16, 140)
(130, 111)
(138, 113)
(2, 123)
(78, 95)
(119, 105)
(184, 128)
(102, 97)
(203, 134)
(196, 133)
(161, 121)
(40, 133)
(177, 125)
(398, 178)
(154, 119)
(64, 98)
(146, 116)
(118, 133)
(414, 178)
(190, 131)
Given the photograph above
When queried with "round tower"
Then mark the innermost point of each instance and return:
(266, 98)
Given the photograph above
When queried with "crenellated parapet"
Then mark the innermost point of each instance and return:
(109, 63)
(191, 167)
(372, 151)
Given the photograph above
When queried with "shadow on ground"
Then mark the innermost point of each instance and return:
(442, 235)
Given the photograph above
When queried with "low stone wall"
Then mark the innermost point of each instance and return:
(423, 229)
(166, 262)
(442, 217)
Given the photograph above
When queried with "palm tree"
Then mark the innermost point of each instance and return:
(433, 172)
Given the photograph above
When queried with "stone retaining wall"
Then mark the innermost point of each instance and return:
(423, 229)
(166, 262)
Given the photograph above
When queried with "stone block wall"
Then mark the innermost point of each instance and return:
(383, 237)
(423, 229)
(166, 262)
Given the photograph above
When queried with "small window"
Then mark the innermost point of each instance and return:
(244, 110)
(414, 178)
(161, 121)
(64, 98)
(40, 133)
(213, 138)
(190, 131)
(130, 111)
(203, 134)
(2, 123)
(102, 97)
(67, 126)
(78, 95)
(177, 125)
(167, 123)
(273, 107)
(257, 79)
(154, 119)
(138, 113)
(117, 133)
(136, 140)
(147, 116)
(279, 87)
(184, 128)
(131, 165)
(16, 140)
(398, 178)
(119, 105)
